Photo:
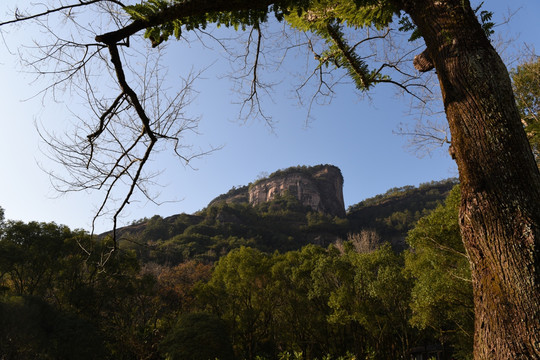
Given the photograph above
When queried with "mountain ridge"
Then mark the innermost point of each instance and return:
(282, 223)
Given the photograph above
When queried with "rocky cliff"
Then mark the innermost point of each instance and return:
(319, 187)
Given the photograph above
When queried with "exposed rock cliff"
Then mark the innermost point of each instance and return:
(319, 187)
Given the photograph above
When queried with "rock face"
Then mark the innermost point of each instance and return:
(319, 187)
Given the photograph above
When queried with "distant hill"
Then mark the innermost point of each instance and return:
(285, 211)
(395, 212)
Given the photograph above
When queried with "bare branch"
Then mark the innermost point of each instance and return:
(113, 153)
(247, 79)
(129, 121)
(425, 136)
(19, 17)
(103, 124)
(252, 100)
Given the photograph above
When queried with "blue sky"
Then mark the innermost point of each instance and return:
(354, 133)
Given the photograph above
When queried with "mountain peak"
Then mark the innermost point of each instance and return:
(318, 187)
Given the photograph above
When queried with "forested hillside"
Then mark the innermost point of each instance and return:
(282, 224)
(395, 212)
(235, 281)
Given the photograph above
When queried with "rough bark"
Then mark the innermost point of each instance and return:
(422, 62)
(500, 182)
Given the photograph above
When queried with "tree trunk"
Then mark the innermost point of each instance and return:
(500, 182)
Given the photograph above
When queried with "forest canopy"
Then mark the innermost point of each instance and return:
(350, 299)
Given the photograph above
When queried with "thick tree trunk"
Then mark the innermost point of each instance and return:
(500, 182)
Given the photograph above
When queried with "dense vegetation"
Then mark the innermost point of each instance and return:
(395, 212)
(526, 86)
(218, 289)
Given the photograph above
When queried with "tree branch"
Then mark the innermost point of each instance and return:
(183, 10)
(20, 17)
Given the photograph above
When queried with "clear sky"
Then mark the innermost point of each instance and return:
(356, 134)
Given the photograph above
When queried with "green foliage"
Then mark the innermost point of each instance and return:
(30, 328)
(347, 300)
(526, 85)
(394, 213)
(198, 336)
(83, 292)
(283, 204)
(150, 10)
(316, 302)
(156, 228)
(30, 253)
(282, 224)
(241, 193)
(240, 292)
(407, 25)
(354, 14)
(442, 293)
(485, 18)
(371, 296)
(300, 319)
(328, 19)
(145, 10)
